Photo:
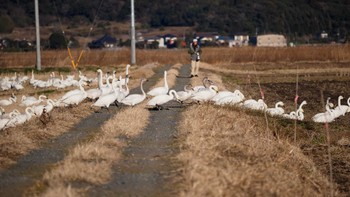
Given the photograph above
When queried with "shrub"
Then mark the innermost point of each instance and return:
(6, 24)
(57, 41)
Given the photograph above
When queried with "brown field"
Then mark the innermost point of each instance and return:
(222, 56)
(239, 151)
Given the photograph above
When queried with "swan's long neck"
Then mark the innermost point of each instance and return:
(107, 81)
(126, 84)
(301, 105)
(81, 87)
(127, 71)
(300, 115)
(339, 100)
(143, 92)
(349, 101)
(99, 78)
(29, 112)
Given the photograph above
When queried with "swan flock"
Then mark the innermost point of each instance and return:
(116, 91)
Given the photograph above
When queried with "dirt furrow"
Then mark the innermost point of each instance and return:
(148, 162)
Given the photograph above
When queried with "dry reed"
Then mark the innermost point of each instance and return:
(335, 53)
(226, 153)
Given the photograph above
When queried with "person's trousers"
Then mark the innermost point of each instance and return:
(194, 67)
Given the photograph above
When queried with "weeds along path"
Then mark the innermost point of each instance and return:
(15, 180)
(148, 161)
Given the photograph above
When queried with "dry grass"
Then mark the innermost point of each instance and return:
(18, 141)
(335, 53)
(226, 153)
(92, 162)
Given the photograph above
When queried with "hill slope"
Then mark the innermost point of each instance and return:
(297, 17)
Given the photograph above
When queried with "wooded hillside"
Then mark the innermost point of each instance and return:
(290, 17)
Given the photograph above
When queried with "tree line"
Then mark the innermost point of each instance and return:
(294, 18)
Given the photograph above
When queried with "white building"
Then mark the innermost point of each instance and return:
(271, 40)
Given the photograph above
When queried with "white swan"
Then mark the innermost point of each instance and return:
(206, 83)
(298, 115)
(3, 123)
(159, 100)
(254, 104)
(39, 109)
(108, 99)
(221, 95)
(73, 92)
(134, 99)
(7, 102)
(124, 81)
(186, 94)
(10, 115)
(324, 117)
(231, 99)
(95, 92)
(74, 99)
(205, 95)
(340, 109)
(99, 78)
(123, 92)
(32, 80)
(160, 90)
(21, 118)
(108, 88)
(291, 115)
(277, 110)
(32, 101)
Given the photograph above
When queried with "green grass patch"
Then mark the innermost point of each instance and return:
(46, 92)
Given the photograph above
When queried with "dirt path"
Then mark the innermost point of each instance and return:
(30, 168)
(148, 161)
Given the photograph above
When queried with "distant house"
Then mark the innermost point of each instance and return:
(323, 35)
(207, 36)
(240, 40)
(271, 40)
(168, 37)
(149, 42)
(225, 40)
(106, 41)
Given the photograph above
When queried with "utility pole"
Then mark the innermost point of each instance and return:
(38, 58)
(133, 55)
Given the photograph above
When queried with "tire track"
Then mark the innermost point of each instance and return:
(148, 162)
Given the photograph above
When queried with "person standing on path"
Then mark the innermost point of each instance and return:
(195, 51)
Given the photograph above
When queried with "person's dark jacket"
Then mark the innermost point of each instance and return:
(195, 52)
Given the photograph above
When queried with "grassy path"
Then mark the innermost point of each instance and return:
(148, 161)
(30, 168)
